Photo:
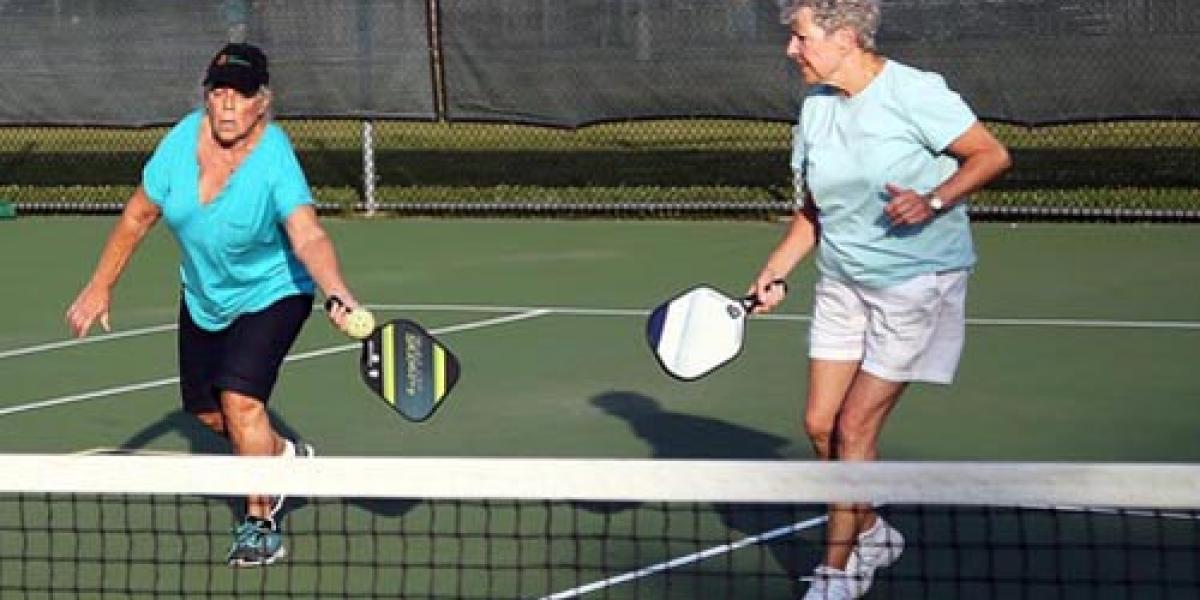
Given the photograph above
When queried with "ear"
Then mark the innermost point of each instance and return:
(264, 103)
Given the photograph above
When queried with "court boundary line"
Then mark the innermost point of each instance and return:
(104, 337)
(154, 383)
(623, 312)
(799, 526)
(108, 451)
(688, 559)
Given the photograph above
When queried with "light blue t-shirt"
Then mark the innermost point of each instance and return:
(236, 254)
(845, 149)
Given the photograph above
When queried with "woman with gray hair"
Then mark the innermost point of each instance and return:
(884, 157)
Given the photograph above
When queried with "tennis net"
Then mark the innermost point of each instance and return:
(105, 526)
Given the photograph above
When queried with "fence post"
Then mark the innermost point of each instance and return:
(437, 72)
(368, 165)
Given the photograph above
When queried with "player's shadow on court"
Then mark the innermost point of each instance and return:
(674, 435)
(202, 440)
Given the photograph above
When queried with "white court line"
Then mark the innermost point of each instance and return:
(493, 308)
(87, 340)
(145, 385)
(51, 402)
(628, 312)
(689, 558)
(809, 524)
(1115, 512)
(129, 452)
(1094, 324)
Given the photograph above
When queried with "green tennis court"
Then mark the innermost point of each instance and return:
(1081, 347)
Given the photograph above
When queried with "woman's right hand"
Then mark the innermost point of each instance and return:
(339, 309)
(770, 289)
(92, 303)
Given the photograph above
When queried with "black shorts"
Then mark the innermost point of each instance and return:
(244, 357)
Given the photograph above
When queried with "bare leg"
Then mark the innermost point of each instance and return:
(251, 434)
(828, 384)
(868, 403)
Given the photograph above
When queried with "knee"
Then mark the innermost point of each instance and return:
(241, 411)
(211, 419)
(820, 433)
(855, 439)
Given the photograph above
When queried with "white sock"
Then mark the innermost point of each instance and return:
(289, 449)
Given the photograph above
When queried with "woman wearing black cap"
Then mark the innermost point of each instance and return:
(228, 184)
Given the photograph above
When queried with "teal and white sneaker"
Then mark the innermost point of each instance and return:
(256, 542)
(295, 449)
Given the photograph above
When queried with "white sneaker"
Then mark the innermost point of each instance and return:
(828, 583)
(878, 547)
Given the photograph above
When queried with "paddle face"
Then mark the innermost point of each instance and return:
(408, 368)
(697, 331)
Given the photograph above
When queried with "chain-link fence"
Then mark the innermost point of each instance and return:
(643, 107)
(1110, 171)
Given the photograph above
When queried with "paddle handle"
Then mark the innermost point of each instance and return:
(331, 301)
(752, 301)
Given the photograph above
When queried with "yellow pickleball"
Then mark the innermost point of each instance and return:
(359, 323)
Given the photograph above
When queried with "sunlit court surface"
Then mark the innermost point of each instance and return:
(547, 318)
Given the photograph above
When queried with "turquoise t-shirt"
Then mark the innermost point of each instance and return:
(845, 149)
(236, 254)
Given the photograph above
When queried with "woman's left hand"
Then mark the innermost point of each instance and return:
(906, 206)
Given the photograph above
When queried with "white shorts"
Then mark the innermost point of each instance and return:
(912, 331)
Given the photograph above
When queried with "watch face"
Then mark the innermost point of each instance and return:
(936, 203)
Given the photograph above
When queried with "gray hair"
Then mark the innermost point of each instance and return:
(861, 16)
(264, 91)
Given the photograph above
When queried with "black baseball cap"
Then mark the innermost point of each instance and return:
(242, 67)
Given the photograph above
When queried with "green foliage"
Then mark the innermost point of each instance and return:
(1153, 164)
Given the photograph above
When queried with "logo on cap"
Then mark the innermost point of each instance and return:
(225, 59)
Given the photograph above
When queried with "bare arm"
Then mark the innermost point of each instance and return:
(799, 240)
(314, 248)
(139, 215)
(982, 158)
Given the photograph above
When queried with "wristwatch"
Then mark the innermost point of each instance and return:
(936, 204)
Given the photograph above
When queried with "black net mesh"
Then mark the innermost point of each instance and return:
(629, 543)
